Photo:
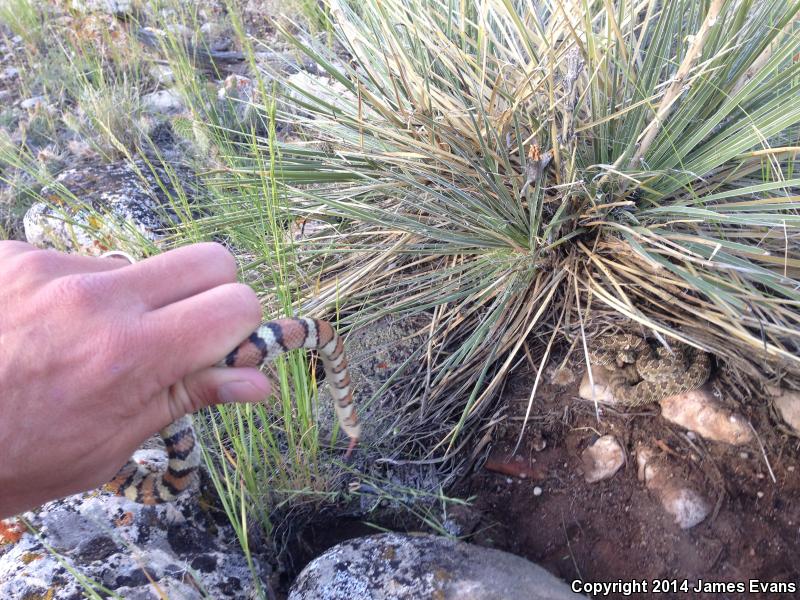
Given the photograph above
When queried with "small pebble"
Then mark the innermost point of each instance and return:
(760, 494)
(744, 455)
(691, 435)
(509, 480)
(760, 476)
(537, 491)
(790, 468)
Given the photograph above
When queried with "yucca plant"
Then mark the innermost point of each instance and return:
(529, 172)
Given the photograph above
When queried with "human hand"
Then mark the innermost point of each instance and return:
(96, 355)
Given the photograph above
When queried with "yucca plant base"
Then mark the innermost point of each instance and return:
(533, 175)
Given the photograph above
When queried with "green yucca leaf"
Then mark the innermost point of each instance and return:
(537, 169)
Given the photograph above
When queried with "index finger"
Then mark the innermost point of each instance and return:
(178, 274)
(198, 332)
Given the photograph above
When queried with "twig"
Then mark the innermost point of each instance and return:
(764, 454)
(569, 547)
(586, 351)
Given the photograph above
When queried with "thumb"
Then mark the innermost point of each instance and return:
(218, 385)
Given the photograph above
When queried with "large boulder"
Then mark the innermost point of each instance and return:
(394, 566)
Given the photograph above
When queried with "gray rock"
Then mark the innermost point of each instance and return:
(162, 74)
(97, 208)
(409, 567)
(125, 547)
(32, 103)
(9, 73)
(217, 37)
(163, 102)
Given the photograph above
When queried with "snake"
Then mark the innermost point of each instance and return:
(641, 375)
(145, 486)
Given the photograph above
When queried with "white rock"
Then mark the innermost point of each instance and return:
(304, 86)
(600, 392)
(112, 541)
(602, 459)
(164, 102)
(9, 73)
(687, 506)
(679, 497)
(111, 7)
(787, 402)
(698, 411)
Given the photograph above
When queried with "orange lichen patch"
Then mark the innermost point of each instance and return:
(11, 531)
(48, 595)
(101, 246)
(125, 520)
(29, 557)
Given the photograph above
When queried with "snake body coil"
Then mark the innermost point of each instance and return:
(144, 486)
(641, 375)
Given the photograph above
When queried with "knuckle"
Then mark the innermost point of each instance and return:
(33, 263)
(83, 291)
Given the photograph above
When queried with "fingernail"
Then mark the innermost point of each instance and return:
(240, 391)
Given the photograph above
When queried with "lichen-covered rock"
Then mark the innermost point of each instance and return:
(129, 549)
(409, 567)
(97, 208)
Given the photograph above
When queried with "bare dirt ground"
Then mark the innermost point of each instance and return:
(615, 529)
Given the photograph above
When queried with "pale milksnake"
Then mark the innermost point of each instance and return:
(142, 485)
